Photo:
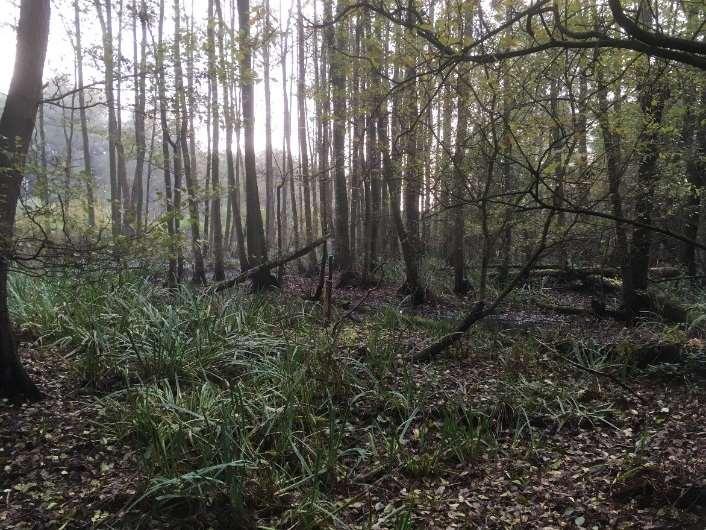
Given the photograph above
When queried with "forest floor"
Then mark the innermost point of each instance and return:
(503, 433)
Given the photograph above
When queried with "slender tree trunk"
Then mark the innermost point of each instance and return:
(257, 249)
(207, 185)
(458, 253)
(217, 227)
(170, 215)
(584, 187)
(557, 161)
(16, 126)
(337, 49)
(269, 175)
(694, 140)
(409, 253)
(445, 224)
(323, 123)
(44, 173)
(139, 67)
(653, 96)
(87, 166)
(199, 272)
(508, 180)
(408, 117)
(612, 148)
(288, 161)
(373, 202)
(228, 104)
(150, 167)
(68, 127)
(106, 24)
(242, 249)
(357, 144)
(301, 130)
(128, 214)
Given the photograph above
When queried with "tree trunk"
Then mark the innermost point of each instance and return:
(106, 24)
(288, 162)
(301, 130)
(408, 119)
(199, 272)
(269, 175)
(337, 74)
(43, 180)
(652, 99)
(257, 250)
(136, 199)
(16, 126)
(171, 280)
(68, 127)
(87, 166)
(694, 140)
(232, 117)
(123, 188)
(217, 227)
(409, 253)
(322, 120)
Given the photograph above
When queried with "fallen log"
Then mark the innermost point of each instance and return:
(251, 273)
(640, 355)
(599, 277)
(649, 354)
(596, 309)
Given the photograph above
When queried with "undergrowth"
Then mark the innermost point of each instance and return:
(245, 406)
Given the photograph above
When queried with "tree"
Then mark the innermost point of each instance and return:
(16, 126)
(106, 23)
(458, 180)
(172, 275)
(87, 166)
(269, 185)
(217, 227)
(199, 272)
(337, 47)
(140, 95)
(257, 249)
(301, 129)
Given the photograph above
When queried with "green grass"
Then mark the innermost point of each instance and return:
(246, 406)
(235, 401)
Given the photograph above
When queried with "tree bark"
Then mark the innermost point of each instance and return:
(257, 249)
(16, 126)
(301, 130)
(136, 199)
(87, 166)
(106, 23)
(233, 117)
(171, 279)
(269, 175)
(217, 226)
(336, 48)
(199, 272)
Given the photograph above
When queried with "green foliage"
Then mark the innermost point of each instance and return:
(235, 401)
(525, 405)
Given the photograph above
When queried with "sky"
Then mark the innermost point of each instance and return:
(59, 60)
